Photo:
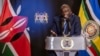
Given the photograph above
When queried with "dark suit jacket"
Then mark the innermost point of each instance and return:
(74, 23)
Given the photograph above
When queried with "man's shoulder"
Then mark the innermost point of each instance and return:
(75, 16)
(57, 18)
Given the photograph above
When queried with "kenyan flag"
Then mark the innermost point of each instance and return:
(14, 37)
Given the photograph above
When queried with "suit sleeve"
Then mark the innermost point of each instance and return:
(53, 27)
(77, 26)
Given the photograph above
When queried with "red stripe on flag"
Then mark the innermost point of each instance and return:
(93, 51)
(22, 46)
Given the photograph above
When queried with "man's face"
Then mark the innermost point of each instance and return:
(66, 12)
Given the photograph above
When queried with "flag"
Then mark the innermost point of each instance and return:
(89, 11)
(14, 37)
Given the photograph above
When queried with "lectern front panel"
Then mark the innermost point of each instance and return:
(65, 43)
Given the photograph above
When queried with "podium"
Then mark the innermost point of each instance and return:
(62, 44)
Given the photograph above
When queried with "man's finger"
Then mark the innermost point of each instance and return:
(53, 33)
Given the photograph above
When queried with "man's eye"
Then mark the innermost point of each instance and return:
(66, 11)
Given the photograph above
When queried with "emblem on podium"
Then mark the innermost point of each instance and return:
(67, 43)
(90, 30)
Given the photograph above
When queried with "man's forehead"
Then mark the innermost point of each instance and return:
(66, 9)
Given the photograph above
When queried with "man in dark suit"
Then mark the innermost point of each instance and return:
(67, 24)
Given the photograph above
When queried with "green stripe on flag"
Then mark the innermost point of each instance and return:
(1, 47)
(7, 51)
(86, 15)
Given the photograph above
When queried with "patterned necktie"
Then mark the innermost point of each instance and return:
(65, 27)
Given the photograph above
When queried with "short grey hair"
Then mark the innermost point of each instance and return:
(65, 6)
